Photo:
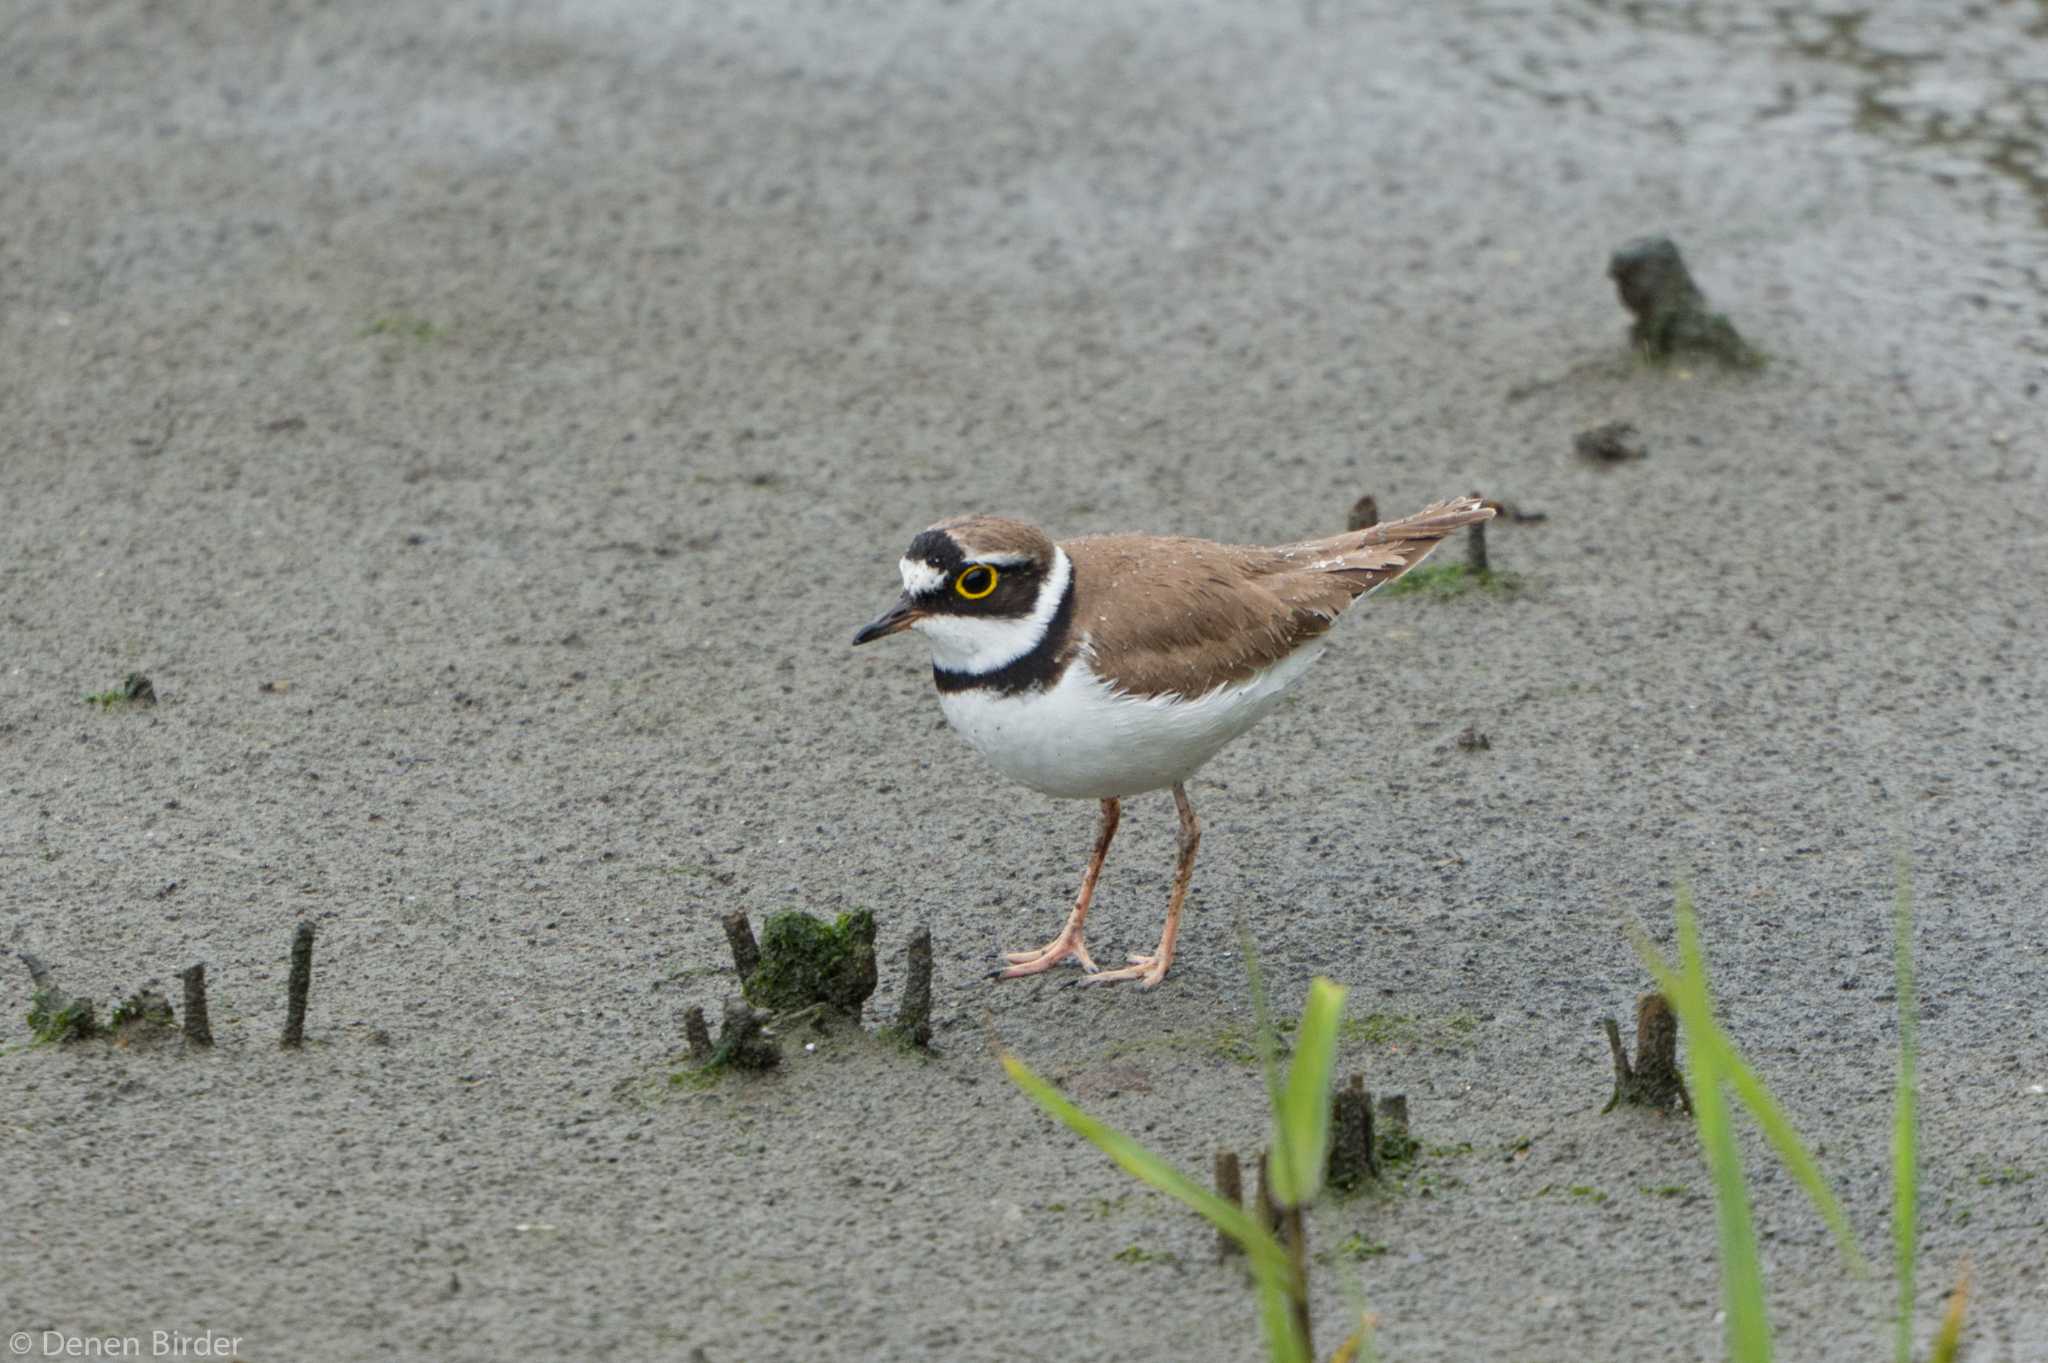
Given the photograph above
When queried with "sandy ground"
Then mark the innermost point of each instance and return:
(535, 397)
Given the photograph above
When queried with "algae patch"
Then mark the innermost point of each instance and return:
(804, 960)
(56, 1016)
(1447, 581)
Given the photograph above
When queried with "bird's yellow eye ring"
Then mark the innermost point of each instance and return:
(978, 581)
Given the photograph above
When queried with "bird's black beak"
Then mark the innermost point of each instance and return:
(900, 616)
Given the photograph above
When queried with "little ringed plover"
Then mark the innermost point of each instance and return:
(1111, 665)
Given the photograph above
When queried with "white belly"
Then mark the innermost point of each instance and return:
(1082, 740)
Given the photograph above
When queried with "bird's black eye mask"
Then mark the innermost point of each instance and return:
(967, 586)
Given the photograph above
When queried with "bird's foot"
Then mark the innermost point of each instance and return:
(1067, 945)
(1148, 971)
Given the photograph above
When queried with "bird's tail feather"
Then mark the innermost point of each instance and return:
(1378, 554)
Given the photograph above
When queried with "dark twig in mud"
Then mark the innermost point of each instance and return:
(1670, 311)
(198, 1026)
(746, 953)
(1653, 1080)
(698, 1033)
(913, 1023)
(300, 985)
(1229, 1187)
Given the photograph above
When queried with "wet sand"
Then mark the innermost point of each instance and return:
(487, 428)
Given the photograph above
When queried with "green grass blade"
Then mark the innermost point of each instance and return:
(1284, 1343)
(1950, 1336)
(1270, 1265)
(1301, 1122)
(1703, 1031)
(1792, 1151)
(1905, 1123)
(1748, 1322)
(1226, 1216)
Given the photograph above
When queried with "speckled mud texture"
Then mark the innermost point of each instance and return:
(486, 425)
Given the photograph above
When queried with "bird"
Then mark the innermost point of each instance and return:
(1109, 666)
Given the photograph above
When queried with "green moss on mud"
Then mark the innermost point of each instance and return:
(805, 960)
(1447, 581)
(56, 1016)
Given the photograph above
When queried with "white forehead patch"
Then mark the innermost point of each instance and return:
(920, 577)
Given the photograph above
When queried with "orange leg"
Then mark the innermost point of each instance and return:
(1069, 942)
(1150, 970)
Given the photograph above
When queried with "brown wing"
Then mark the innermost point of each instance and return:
(1167, 616)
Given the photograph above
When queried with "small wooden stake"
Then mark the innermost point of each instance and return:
(1365, 513)
(1475, 546)
(1654, 1079)
(914, 1018)
(746, 953)
(295, 991)
(1229, 1187)
(1268, 1212)
(198, 1028)
(697, 1032)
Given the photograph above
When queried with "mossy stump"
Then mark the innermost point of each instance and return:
(805, 961)
(1652, 1079)
(1353, 1157)
(743, 1040)
(1672, 316)
(1393, 1144)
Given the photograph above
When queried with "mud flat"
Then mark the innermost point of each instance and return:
(485, 428)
